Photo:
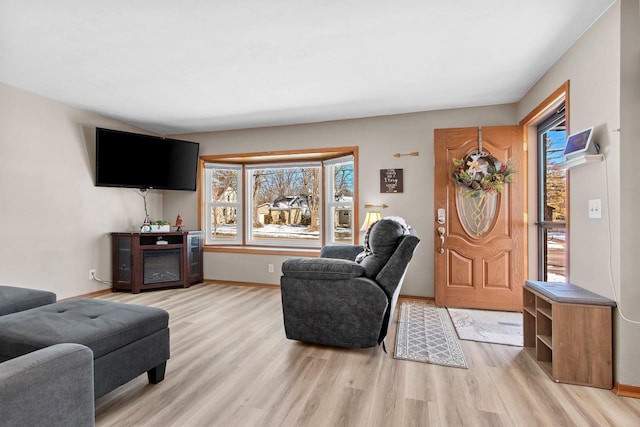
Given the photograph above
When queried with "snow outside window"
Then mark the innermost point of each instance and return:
(339, 203)
(223, 203)
(284, 204)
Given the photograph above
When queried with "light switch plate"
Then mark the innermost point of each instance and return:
(595, 209)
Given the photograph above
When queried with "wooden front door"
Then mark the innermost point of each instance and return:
(479, 264)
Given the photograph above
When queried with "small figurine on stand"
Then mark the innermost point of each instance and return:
(179, 223)
(146, 225)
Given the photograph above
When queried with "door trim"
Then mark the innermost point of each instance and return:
(469, 271)
(528, 125)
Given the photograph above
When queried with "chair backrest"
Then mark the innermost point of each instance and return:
(389, 278)
(381, 241)
(392, 276)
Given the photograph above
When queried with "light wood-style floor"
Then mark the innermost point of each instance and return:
(231, 365)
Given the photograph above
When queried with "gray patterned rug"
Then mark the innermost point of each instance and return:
(425, 334)
(497, 327)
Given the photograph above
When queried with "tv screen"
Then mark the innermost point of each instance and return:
(125, 159)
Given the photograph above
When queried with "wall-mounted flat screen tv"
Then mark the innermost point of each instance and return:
(125, 159)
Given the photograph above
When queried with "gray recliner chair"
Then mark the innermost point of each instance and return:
(345, 300)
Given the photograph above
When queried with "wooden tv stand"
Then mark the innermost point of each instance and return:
(568, 331)
(144, 261)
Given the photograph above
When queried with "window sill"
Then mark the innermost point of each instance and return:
(262, 250)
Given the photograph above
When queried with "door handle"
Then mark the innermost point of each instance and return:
(441, 231)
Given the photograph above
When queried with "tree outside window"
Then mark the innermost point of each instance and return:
(280, 204)
(285, 204)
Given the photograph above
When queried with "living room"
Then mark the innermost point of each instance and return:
(59, 223)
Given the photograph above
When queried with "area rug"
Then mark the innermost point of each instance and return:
(425, 334)
(497, 327)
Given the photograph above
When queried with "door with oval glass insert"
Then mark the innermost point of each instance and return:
(479, 226)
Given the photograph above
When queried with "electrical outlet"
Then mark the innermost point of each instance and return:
(92, 274)
(270, 268)
(595, 209)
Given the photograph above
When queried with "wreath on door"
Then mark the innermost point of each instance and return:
(482, 173)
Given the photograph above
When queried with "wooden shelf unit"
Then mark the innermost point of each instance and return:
(132, 251)
(568, 332)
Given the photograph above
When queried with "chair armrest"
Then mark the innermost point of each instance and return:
(321, 269)
(51, 386)
(341, 251)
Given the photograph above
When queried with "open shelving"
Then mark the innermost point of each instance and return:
(579, 161)
(568, 332)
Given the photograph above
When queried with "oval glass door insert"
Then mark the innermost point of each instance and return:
(476, 212)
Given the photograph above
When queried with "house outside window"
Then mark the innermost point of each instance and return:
(340, 184)
(284, 204)
(223, 204)
(290, 203)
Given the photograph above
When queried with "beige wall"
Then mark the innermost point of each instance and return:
(378, 138)
(628, 334)
(58, 222)
(599, 260)
(594, 101)
(54, 221)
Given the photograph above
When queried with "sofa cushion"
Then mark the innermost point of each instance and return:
(383, 238)
(103, 326)
(321, 268)
(13, 299)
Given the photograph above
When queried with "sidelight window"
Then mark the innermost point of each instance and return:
(552, 199)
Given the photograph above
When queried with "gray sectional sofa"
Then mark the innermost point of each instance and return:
(122, 341)
(126, 339)
(14, 299)
(52, 386)
(48, 387)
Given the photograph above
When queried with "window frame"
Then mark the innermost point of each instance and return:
(529, 124)
(250, 240)
(209, 204)
(330, 229)
(543, 225)
(245, 160)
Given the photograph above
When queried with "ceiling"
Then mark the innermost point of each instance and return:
(186, 66)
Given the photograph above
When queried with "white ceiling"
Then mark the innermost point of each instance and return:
(196, 65)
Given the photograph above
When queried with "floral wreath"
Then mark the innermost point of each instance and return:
(481, 173)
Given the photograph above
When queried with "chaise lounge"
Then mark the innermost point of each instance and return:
(14, 299)
(48, 387)
(126, 340)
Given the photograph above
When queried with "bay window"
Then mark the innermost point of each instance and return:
(286, 200)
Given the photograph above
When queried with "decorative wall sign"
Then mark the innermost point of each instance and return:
(391, 180)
